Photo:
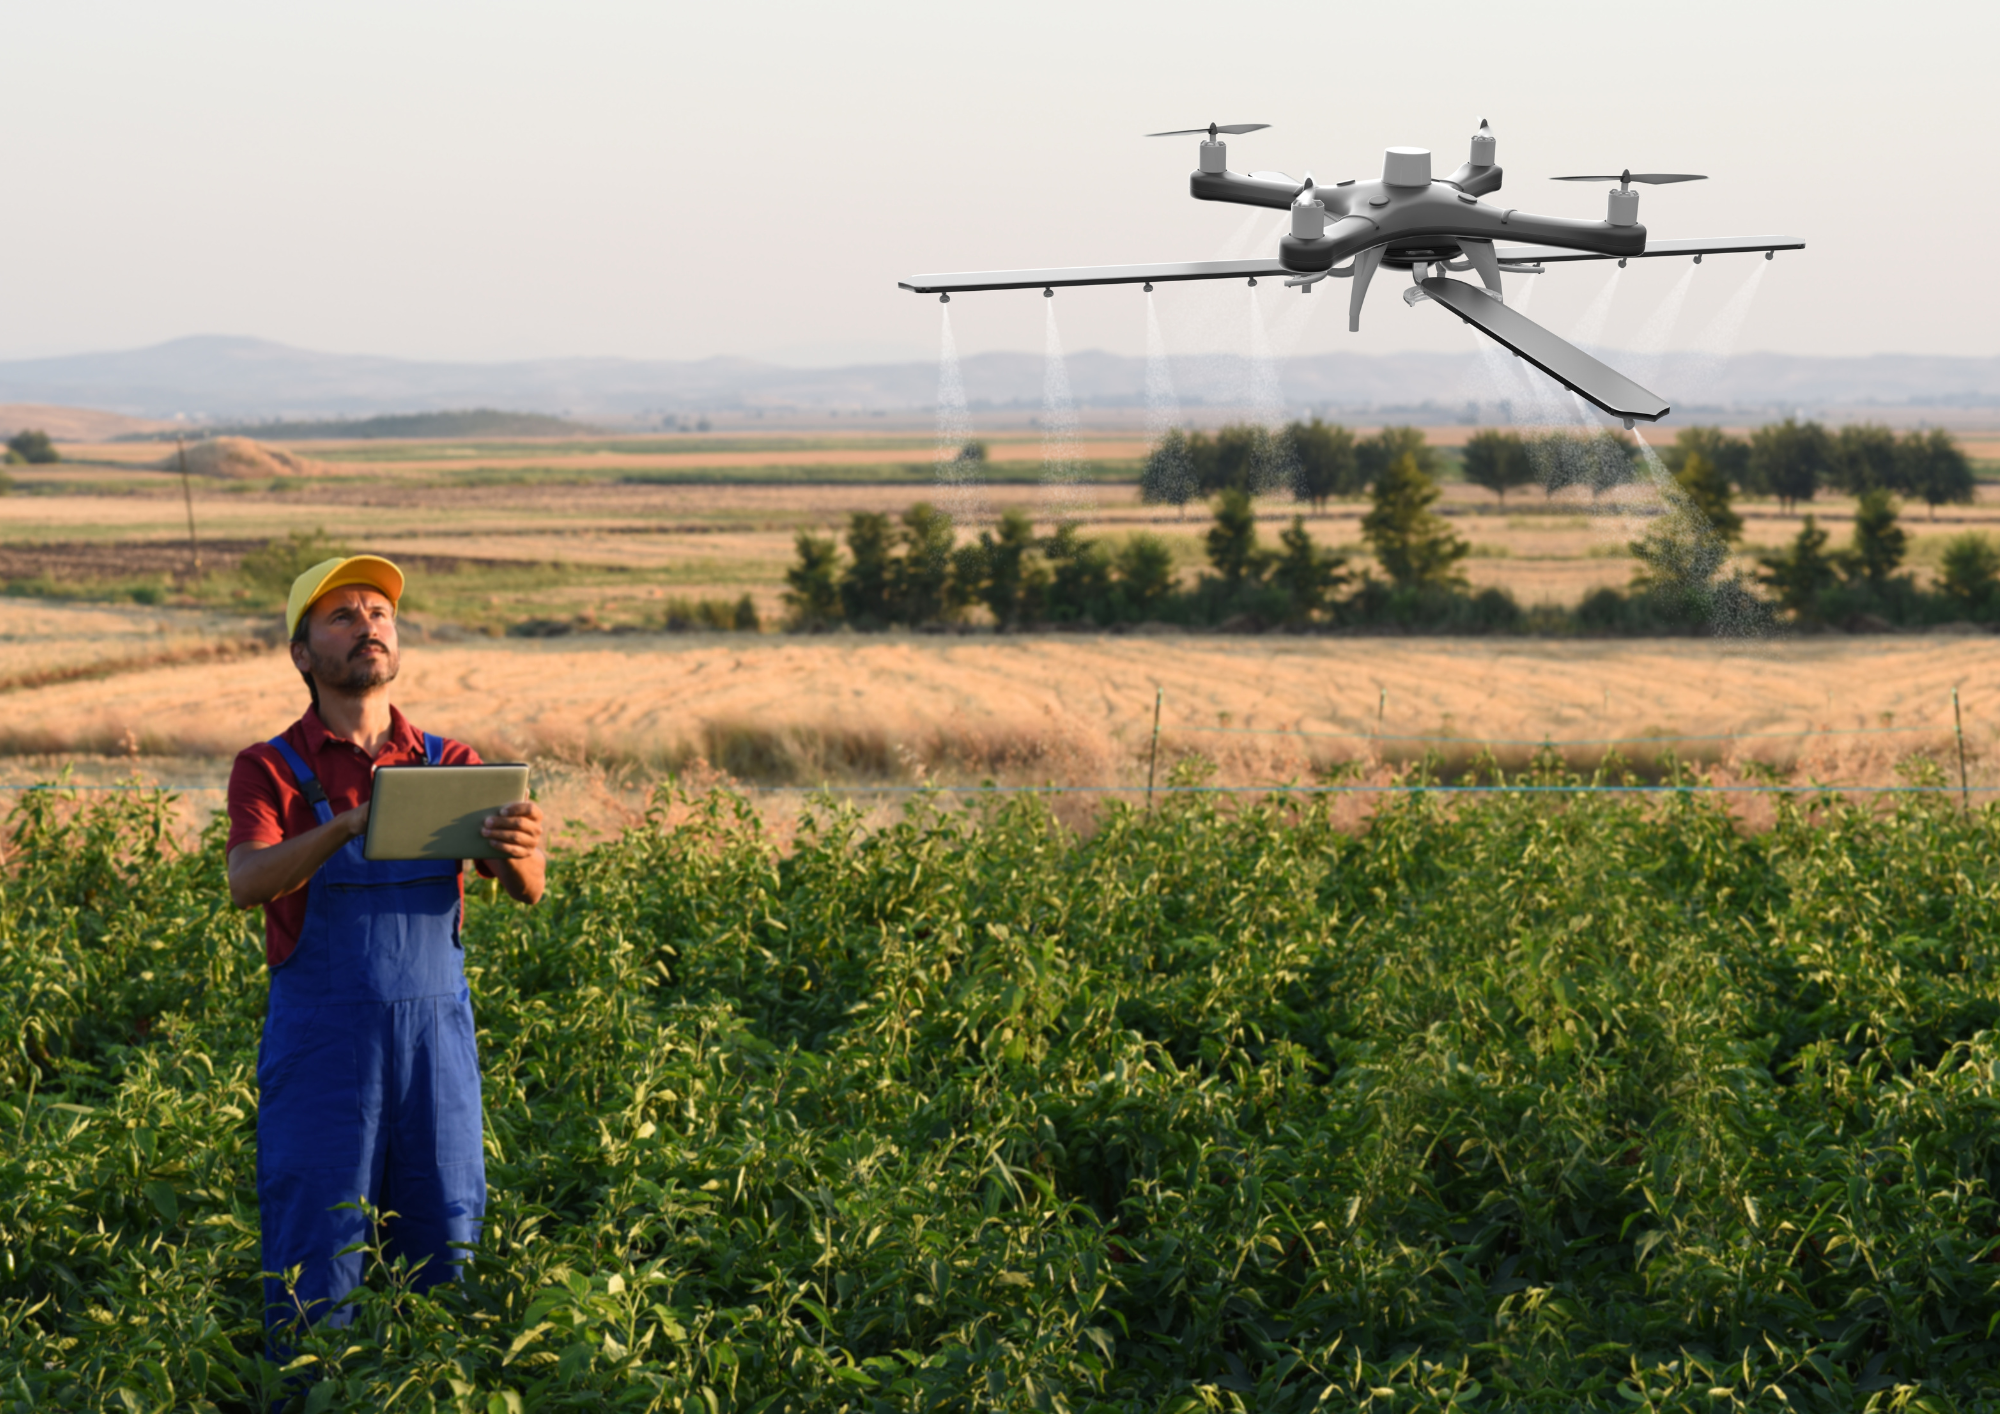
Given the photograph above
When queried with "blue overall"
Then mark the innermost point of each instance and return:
(367, 1079)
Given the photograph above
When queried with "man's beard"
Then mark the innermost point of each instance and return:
(358, 670)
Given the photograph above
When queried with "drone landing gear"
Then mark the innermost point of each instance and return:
(1366, 263)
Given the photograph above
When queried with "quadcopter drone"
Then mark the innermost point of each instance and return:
(1409, 221)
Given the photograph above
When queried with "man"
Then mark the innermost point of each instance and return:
(368, 1079)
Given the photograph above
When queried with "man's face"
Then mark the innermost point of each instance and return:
(350, 643)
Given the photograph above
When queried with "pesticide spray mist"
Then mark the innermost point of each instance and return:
(957, 472)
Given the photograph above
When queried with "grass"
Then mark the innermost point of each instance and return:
(1571, 1105)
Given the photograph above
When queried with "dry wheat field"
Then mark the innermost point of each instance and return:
(606, 715)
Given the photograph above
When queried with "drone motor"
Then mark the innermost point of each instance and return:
(1623, 208)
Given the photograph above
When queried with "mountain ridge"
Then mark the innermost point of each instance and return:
(216, 377)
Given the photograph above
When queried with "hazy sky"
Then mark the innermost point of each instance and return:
(503, 180)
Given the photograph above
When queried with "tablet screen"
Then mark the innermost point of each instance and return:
(435, 812)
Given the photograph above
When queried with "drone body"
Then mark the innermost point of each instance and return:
(1408, 220)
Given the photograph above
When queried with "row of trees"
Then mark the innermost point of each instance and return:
(911, 571)
(1317, 461)
(1792, 460)
(1685, 580)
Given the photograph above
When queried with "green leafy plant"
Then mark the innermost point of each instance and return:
(1571, 1102)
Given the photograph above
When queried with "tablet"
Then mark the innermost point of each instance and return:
(435, 812)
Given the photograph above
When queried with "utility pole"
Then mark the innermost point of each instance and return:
(187, 495)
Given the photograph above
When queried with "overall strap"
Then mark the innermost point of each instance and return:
(315, 794)
(433, 748)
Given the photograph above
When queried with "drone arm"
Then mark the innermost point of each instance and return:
(1476, 181)
(1244, 191)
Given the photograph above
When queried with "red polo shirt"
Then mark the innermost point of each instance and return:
(266, 805)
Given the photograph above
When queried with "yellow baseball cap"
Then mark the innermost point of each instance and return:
(329, 575)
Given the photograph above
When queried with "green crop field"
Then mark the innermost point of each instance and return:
(1545, 1102)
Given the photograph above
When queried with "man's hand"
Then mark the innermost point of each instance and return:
(516, 831)
(259, 873)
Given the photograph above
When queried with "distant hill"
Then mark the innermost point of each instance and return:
(474, 422)
(71, 424)
(232, 381)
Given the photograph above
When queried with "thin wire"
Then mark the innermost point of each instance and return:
(57, 785)
(746, 788)
(1362, 790)
(1556, 741)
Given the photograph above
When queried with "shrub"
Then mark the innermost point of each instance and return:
(32, 447)
(276, 563)
(1232, 540)
(1802, 571)
(1970, 573)
(812, 591)
(1144, 569)
(1307, 574)
(867, 586)
(1879, 542)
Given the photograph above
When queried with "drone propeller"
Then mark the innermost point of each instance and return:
(1628, 176)
(1212, 129)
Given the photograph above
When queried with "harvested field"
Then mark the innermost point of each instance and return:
(726, 540)
(1069, 707)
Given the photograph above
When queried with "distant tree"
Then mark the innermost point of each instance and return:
(1498, 461)
(1790, 459)
(1320, 458)
(1009, 580)
(1080, 576)
(1707, 491)
(921, 587)
(1610, 461)
(1144, 567)
(1879, 542)
(1308, 573)
(1932, 465)
(1245, 459)
(1970, 573)
(1169, 477)
(1375, 455)
(867, 586)
(1729, 455)
(812, 591)
(1232, 540)
(1802, 571)
(973, 451)
(33, 447)
(1678, 565)
(1864, 459)
(1414, 545)
(1599, 461)
(744, 619)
